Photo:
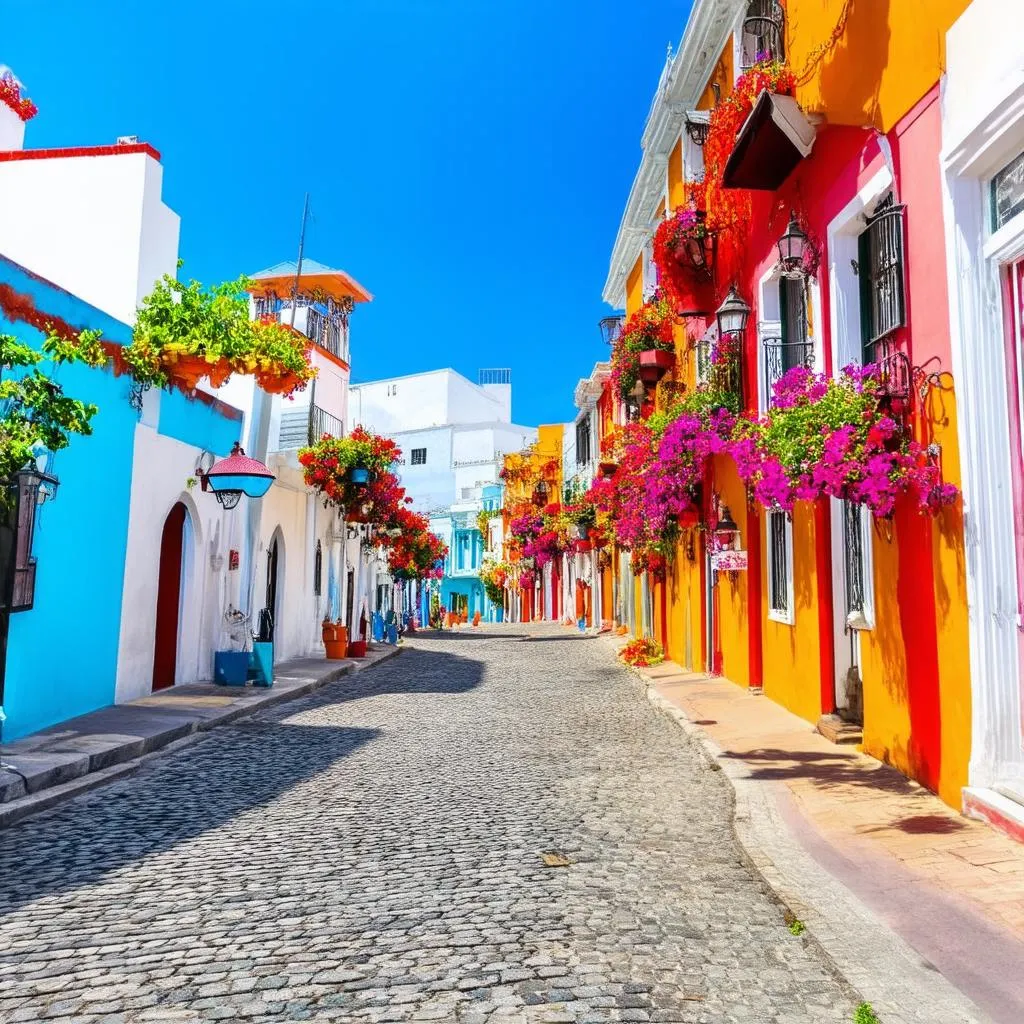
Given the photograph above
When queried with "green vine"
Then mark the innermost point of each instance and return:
(36, 414)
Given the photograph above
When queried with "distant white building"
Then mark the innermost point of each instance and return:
(454, 435)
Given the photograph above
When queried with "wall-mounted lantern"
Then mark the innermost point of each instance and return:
(792, 246)
(732, 314)
(540, 494)
(611, 328)
(236, 475)
(726, 530)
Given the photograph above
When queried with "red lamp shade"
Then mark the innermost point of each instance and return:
(236, 475)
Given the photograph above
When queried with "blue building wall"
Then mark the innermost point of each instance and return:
(62, 654)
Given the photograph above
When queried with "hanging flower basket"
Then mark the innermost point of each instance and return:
(655, 363)
(186, 371)
(280, 383)
(606, 470)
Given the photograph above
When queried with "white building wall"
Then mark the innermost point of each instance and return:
(983, 128)
(93, 225)
(161, 466)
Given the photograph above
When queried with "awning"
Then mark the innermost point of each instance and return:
(775, 137)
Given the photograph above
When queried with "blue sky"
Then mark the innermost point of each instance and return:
(468, 160)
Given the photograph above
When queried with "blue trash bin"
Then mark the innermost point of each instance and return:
(230, 668)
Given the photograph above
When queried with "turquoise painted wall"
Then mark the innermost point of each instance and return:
(62, 654)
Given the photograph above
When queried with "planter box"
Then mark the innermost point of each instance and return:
(230, 668)
(261, 660)
(654, 364)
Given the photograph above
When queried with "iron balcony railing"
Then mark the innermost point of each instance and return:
(303, 426)
(781, 356)
(327, 329)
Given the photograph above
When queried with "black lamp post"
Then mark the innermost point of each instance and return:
(732, 314)
(792, 246)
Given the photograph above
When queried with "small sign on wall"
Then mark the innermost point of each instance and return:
(232, 560)
(729, 561)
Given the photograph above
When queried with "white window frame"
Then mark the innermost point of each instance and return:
(648, 272)
(786, 615)
(771, 325)
(845, 323)
(693, 159)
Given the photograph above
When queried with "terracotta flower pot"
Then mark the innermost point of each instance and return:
(336, 649)
(187, 371)
(279, 384)
(334, 632)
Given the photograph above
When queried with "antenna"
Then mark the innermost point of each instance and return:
(298, 265)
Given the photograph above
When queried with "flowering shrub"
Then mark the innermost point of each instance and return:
(681, 236)
(649, 328)
(832, 437)
(10, 95)
(642, 652)
(727, 211)
(494, 576)
(184, 332)
(527, 579)
(416, 553)
(326, 467)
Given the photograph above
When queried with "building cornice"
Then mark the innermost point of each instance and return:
(682, 82)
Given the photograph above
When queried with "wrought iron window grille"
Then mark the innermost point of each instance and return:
(853, 556)
(778, 548)
(763, 33)
(725, 375)
(781, 356)
(881, 270)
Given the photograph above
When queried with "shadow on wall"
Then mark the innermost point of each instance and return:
(850, 89)
(236, 769)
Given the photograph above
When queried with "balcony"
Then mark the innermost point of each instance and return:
(781, 356)
(305, 425)
(325, 324)
(722, 376)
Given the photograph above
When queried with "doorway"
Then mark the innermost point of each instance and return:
(169, 598)
(269, 626)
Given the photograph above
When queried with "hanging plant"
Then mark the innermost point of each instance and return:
(649, 329)
(684, 253)
(328, 465)
(833, 437)
(186, 332)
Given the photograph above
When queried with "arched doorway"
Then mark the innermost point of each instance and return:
(168, 597)
(273, 567)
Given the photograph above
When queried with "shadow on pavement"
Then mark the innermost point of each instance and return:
(182, 795)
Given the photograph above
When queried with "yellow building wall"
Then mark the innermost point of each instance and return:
(635, 287)
(733, 606)
(676, 192)
(888, 55)
(791, 667)
(951, 607)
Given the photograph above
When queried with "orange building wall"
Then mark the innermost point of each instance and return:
(889, 55)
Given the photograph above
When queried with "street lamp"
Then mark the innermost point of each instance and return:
(726, 528)
(792, 246)
(732, 314)
(236, 475)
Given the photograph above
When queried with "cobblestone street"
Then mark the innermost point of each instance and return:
(373, 852)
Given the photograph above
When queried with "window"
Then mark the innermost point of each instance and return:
(583, 455)
(880, 269)
(648, 271)
(762, 34)
(392, 390)
(792, 345)
(318, 570)
(1007, 192)
(780, 566)
(854, 564)
(419, 456)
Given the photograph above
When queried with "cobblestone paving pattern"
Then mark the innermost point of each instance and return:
(371, 853)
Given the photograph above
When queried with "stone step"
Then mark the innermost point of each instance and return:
(838, 730)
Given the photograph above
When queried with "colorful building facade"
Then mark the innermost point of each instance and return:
(856, 622)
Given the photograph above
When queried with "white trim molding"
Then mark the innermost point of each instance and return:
(974, 256)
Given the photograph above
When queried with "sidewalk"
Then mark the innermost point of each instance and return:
(851, 845)
(65, 760)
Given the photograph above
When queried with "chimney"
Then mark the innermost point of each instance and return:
(15, 109)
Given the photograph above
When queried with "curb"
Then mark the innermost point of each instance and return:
(174, 739)
(883, 969)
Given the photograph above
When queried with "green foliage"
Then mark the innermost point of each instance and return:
(797, 927)
(864, 1014)
(178, 320)
(36, 412)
